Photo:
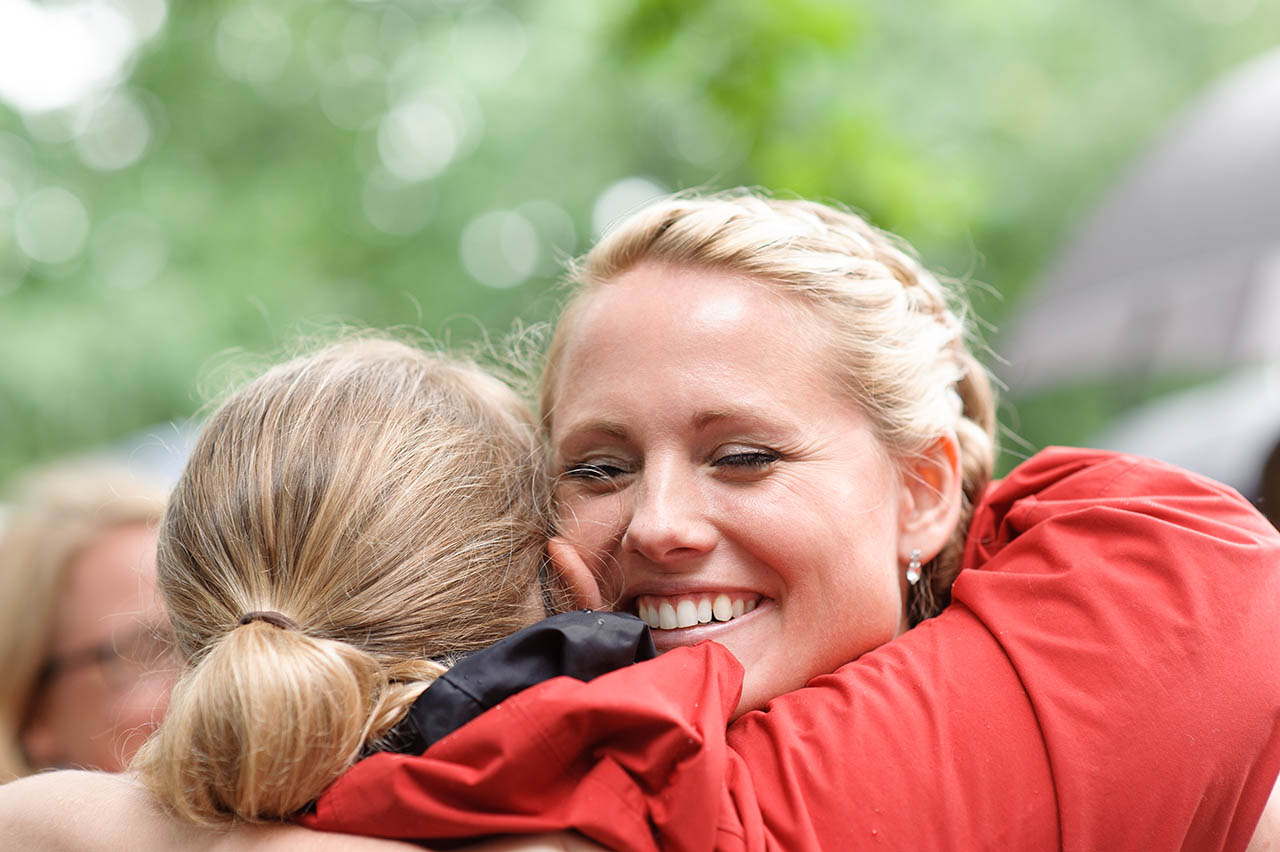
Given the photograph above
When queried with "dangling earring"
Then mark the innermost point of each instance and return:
(913, 567)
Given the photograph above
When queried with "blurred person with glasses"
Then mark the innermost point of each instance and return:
(83, 636)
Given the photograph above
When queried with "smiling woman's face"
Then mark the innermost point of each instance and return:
(722, 486)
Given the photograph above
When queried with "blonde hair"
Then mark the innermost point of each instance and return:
(388, 503)
(55, 513)
(898, 335)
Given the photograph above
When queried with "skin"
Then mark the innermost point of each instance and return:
(703, 449)
(98, 811)
(88, 716)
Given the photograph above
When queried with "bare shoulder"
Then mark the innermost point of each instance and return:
(73, 810)
(81, 810)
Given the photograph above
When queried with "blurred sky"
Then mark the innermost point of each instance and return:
(181, 184)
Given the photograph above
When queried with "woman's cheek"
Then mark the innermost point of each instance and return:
(599, 520)
(594, 525)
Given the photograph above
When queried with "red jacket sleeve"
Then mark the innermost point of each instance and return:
(1105, 680)
(634, 759)
(1140, 607)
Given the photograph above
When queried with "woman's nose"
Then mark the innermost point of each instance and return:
(669, 525)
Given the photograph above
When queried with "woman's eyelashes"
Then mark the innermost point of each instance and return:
(729, 460)
(594, 471)
(745, 459)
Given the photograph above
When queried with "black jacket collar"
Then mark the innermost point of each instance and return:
(582, 645)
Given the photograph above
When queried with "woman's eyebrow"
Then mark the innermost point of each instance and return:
(716, 415)
(608, 428)
(738, 415)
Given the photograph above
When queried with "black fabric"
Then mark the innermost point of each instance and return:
(581, 645)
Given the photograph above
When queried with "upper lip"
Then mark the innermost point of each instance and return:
(627, 601)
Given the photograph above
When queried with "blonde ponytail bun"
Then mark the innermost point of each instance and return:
(261, 725)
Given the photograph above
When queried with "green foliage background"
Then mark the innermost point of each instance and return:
(978, 130)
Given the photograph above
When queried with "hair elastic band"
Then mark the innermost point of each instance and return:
(271, 617)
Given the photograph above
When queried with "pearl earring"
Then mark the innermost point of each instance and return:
(913, 567)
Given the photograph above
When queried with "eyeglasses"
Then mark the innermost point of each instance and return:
(123, 660)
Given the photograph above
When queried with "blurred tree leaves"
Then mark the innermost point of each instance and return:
(314, 160)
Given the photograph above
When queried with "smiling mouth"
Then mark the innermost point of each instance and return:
(680, 611)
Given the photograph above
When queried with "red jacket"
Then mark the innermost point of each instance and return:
(1106, 678)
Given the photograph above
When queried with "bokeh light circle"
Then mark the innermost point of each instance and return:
(499, 249)
(353, 91)
(51, 225)
(252, 44)
(417, 140)
(113, 133)
(556, 235)
(147, 16)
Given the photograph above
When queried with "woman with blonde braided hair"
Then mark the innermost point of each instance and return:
(897, 339)
(765, 429)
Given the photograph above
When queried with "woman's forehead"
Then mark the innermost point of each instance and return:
(688, 348)
(660, 307)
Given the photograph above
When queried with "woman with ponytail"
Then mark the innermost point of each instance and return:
(347, 525)
(339, 524)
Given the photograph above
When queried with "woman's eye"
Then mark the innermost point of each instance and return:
(594, 471)
(746, 459)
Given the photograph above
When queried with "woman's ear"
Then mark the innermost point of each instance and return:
(578, 578)
(931, 497)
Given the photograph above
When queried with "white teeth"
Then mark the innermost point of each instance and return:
(674, 613)
(686, 613)
(704, 610)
